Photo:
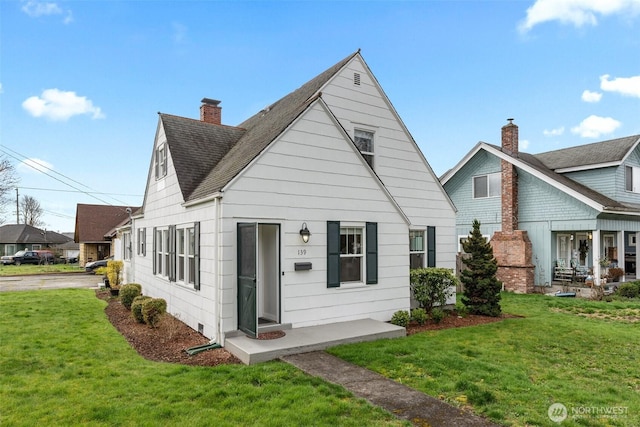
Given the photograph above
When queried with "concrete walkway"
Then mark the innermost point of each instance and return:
(400, 400)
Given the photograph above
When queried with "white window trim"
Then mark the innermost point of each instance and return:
(161, 161)
(185, 255)
(424, 245)
(363, 259)
(126, 246)
(462, 237)
(488, 176)
(372, 154)
(162, 252)
(635, 179)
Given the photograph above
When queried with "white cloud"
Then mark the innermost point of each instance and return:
(627, 86)
(35, 9)
(523, 144)
(55, 104)
(588, 96)
(576, 12)
(594, 126)
(554, 132)
(33, 164)
(1, 88)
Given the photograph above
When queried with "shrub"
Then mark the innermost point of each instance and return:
(462, 310)
(114, 273)
(152, 311)
(400, 318)
(128, 293)
(482, 289)
(437, 314)
(419, 316)
(629, 290)
(432, 286)
(136, 307)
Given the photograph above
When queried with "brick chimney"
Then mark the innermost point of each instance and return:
(512, 247)
(210, 111)
(509, 179)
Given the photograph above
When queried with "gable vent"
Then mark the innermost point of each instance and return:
(356, 79)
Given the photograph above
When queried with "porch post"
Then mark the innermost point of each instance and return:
(637, 257)
(621, 246)
(596, 257)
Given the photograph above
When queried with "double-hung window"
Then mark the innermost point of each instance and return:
(161, 160)
(186, 255)
(416, 249)
(161, 249)
(487, 185)
(364, 142)
(352, 254)
(632, 179)
(126, 243)
(142, 242)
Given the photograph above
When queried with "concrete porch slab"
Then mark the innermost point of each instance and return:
(311, 338)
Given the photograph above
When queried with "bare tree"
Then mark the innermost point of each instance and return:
(8, 181)
(31, 211)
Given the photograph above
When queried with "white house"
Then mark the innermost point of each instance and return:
(310, 212)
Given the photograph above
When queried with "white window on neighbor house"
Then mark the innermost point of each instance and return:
(416, 249)
(161, 161)
(36, 247)
(632, 179)
(9, 249)
(487, 186)
(364, 142)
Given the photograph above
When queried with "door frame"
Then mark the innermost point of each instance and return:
(263, 278)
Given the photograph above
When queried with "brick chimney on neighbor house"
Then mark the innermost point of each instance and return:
(512, 247)
(210, 111)
(509, 178)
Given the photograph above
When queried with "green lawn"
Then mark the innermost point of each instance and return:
(62, 363)
(582, 354)
(15, 270)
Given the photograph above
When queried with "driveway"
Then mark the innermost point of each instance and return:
(49, 281)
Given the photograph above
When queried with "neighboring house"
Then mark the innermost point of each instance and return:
(578, 207)
(16, 237)
(94, 225)
(310, 212)
(71, 249)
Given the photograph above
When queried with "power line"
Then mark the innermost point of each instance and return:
(4, 150)
(77, 191)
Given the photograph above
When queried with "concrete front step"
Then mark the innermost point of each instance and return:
(311, 338)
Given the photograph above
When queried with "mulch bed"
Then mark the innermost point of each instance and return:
(170, 340)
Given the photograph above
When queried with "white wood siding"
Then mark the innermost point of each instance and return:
(163, 207)
(397, 159)
(313, 174)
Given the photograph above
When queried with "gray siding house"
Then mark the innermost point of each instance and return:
(579, 207)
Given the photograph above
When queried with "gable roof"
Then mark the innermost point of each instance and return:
(230, 149)
(590, 156)
(27, 234)
(93, 222)
(612, 153)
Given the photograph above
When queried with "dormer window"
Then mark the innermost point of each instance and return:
(632, 179)
(161, 161)
(364, 142)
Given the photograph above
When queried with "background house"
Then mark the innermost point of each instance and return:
(16, 237)
(579, 207)
(94, 229)
(220, 234)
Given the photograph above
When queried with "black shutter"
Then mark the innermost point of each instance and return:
(333, 254)
(172, 253)
(155, 251)
(196, 255)
(431, 246)
(372, 253)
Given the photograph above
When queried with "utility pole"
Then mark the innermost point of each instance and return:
(17, 207)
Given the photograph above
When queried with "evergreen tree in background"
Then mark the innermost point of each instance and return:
(481, 293)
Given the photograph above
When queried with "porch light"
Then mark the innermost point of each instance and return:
(305, 233)
(590, 236)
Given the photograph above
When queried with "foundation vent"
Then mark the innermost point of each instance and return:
(200, 328)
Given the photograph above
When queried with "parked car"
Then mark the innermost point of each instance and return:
(91, 266)
(29, 257)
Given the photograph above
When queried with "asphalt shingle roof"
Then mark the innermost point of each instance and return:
(596, 153)
(27, 234)
(94, 221)
(207, 156)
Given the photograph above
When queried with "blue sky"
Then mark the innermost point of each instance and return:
(81, 82)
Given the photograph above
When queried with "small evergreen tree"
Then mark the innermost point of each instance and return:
(481, 293)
